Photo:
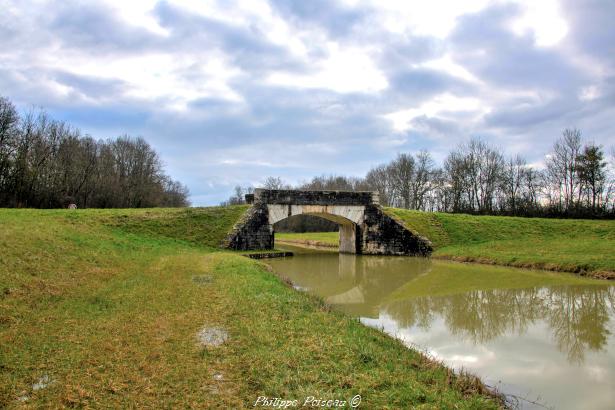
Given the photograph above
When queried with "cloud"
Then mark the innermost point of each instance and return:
(443, 106)
(344, 70)
(231, 92)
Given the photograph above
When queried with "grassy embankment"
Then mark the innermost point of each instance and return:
(568, 245)
(320, 239)
(103, 308)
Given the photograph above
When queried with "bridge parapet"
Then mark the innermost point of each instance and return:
(301, 197)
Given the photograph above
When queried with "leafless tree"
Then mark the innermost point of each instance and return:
(46, 163)
(421, 182)
(275, 183)
(378, 179)
(562, 169)
(9, 122)
(401, 172)
(514, 176)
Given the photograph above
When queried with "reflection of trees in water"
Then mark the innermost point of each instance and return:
(579, 319)
(578, 316)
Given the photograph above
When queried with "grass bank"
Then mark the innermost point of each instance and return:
(103, 308)
(567, 245)
(570, 245)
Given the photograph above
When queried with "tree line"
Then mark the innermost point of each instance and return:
(45, 163)
(576, 181)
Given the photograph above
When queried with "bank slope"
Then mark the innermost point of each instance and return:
(103, 308)
(572, 245)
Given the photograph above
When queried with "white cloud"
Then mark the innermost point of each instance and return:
(253, 13)
(543, 19)
(344, 70)
(442, 106)
(435, 18)
(589, 93)
(138, 13)
(158, 76)
(447, 65)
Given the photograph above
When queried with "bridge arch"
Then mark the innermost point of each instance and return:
(347, 217)
(364, 226)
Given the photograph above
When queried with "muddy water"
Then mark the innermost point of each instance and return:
(539, 336)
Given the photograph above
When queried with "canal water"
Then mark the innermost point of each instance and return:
(543, 337)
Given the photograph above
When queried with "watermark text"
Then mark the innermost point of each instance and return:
(309, 401)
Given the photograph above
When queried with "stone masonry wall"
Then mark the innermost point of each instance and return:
(297, 197)
(253, 232)
(383, 235)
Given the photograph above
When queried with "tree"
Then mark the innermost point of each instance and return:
(485, 167)
(378, 179)
(9, 122)
(401, 172)
(562, 168)
(591, 171)
(514, 176)
(275, 183)
(46, 163)
(330, 182)
(421, 182)
(455, 171)
(474, 174)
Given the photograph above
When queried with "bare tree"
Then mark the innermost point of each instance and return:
(9, 122)
(422, 178)
(275, 183)
(401, 172)
(514, 176)
(378, 179)
(484, 167)
(456, 182)
(609, 191)
(46, 163)
(562, 169)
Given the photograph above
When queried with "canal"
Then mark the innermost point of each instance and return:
(539, 336)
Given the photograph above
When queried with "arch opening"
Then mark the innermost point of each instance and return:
(348, 229)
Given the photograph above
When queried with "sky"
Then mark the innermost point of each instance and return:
(231, 92)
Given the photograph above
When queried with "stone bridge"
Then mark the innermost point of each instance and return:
(364, 227)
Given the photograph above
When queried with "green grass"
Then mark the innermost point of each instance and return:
(582, 246)
(107, 305)
(326, 239)
(203, 226)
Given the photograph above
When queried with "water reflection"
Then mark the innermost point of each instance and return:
(350, 281)
(577, 316)
(540, 332)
